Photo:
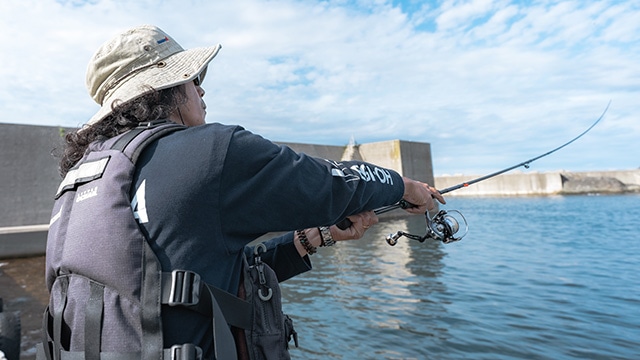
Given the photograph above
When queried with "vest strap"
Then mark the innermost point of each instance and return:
(57, 318)
(178, 352)
(185, 288)
(93, 321)
(46, 341)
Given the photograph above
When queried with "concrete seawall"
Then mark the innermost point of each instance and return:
(29, 174)
(549, 183)
(412, 159)
(29, 177)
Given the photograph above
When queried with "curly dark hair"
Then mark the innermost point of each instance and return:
(155, 105)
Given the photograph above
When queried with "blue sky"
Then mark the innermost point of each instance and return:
(487, 83)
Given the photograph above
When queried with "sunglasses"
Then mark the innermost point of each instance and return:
(198, 79)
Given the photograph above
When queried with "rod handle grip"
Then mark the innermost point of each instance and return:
(403, 204)
(344, 224)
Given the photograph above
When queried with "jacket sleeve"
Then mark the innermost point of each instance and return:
(268, 188)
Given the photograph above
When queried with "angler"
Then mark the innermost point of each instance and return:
(147, 251)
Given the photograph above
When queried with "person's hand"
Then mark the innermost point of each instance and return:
(421, 195)
(359, 224)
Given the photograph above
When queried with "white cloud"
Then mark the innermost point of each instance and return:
(487, 83)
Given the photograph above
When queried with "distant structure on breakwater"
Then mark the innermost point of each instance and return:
(547, 183)
(29, 178)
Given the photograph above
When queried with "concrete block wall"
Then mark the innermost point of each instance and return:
(411, 159)
(505, 184)
(416, 161)
(29, 178)
(321, 151)
(29, 175)
(625, 176)
(551, 183)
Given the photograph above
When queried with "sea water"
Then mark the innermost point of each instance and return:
(535, 278)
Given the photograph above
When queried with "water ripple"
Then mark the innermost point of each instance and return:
(536, 278)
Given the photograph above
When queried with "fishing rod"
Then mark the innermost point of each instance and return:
(445, 225)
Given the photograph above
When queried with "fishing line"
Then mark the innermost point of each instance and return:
(524, 163)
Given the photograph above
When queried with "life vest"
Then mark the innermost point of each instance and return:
(109, 288)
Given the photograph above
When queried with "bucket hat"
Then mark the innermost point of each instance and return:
(138, 61)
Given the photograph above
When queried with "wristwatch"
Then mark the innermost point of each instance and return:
(325, 235)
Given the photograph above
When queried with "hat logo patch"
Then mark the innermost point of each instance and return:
(163, 40)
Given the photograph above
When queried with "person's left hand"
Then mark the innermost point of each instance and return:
(359, 224)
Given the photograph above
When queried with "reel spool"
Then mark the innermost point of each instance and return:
(443, 226)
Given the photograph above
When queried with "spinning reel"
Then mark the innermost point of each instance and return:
(443, 226)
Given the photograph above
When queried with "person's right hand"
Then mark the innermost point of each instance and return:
(421, 195)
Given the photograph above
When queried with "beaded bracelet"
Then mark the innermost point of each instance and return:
(302, 236)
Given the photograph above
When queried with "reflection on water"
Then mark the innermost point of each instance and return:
(535, 278)
(366, 287)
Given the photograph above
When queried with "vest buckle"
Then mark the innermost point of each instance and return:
(185, 288)
(185, 352)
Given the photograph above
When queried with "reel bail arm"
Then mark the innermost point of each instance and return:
(443, 226)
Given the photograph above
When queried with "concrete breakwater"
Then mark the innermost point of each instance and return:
(29, 178)
(547, 183)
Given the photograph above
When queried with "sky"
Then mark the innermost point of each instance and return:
(488, 84)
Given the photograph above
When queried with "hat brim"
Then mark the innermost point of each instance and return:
(177, 69)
